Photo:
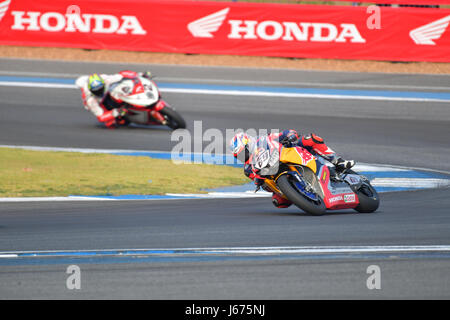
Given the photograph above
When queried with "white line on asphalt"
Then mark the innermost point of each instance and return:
(51, 199)
(81, 150)
(38, 85)
(247, 82)
(420, 183)
(309, 84)
(241, 93)
(237, 250)
(299, 95)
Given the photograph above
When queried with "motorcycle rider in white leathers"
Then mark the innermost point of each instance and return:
(94, 89)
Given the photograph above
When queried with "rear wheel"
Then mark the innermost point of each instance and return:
(368, 199)
(174, 120)
(316, 208)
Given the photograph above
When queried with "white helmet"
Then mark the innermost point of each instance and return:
(239, 143)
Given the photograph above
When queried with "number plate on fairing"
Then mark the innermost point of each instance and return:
(353, 179)
(262, 159)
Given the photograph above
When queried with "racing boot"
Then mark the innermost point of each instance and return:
(280, 202)
(340, 166)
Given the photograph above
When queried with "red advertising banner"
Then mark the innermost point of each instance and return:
(401, 2)
(260, 29)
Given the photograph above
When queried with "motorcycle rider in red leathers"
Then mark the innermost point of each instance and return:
(242, 146)
(94, 91)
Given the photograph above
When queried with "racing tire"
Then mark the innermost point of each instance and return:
(369, 200)
(174, 120)
(309, 206)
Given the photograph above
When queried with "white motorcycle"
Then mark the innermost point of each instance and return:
(139, 99)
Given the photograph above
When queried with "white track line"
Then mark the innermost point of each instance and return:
(239, 250)
(38, 85)
(298, 95)
(410, 182)
(246, 82)
(241, 93)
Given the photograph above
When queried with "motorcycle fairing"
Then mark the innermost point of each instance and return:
(128, 74)
(306, 171)
(300, 156)
(338, 195)
(138, 92)
(138, 116)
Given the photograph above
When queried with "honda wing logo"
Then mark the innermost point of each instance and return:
(3, 8)
(429, 32)
(270, 30)
(203, 27)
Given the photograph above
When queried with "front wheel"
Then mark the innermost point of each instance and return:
(316, 208)
(174, 120)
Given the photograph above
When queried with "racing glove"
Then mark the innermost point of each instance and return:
(342, 165)
(147, 74)
(120, 112)
(290, 139)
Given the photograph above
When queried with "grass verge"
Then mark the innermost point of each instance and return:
(25, 173)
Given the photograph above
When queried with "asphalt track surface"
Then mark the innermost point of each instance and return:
(409, 134)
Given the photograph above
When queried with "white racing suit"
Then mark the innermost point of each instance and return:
(94, 103)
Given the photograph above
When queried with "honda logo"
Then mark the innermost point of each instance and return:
(74, 21)
(273, 30)
(203, 27)
(425, 35)
(4, 5)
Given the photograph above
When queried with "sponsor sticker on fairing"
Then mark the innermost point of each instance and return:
(349, 198)
(335, 199)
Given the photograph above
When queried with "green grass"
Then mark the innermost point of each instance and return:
(25, 173)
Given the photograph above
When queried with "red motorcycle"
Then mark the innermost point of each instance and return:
(307, 181)
(139, 99)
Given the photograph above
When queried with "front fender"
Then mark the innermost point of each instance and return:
(160, 105)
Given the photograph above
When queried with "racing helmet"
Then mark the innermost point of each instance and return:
(239, 146)
(96, 84)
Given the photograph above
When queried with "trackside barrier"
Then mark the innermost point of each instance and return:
(399, 2)
(236, 28)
